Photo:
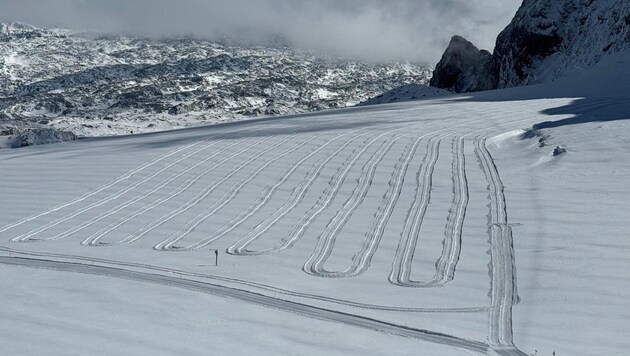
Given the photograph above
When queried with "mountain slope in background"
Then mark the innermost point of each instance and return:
(407, 92)
(118, 85)
(545, 41)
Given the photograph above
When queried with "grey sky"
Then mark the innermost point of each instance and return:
(415, 30)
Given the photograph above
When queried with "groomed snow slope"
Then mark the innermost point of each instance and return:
(441, 223)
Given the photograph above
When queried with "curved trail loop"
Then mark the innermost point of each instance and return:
(269, 191)
(253, 298)
(451, 246)
(240, 247)
(502, 266)
(401, 267)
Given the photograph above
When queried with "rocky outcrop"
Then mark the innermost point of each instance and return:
(547, 39)
(465, 68)
(147, 85)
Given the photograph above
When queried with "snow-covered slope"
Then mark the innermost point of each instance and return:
(406, 93)
(546, 40)
(117, 85)
(449, 225)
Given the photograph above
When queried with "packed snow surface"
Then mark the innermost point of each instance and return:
(438, 227)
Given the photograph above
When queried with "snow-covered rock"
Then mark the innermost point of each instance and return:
(34, 137)
(95, 86)
(548, 39)
(545, 41)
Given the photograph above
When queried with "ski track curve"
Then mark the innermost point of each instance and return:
(240, 248)
(451, 245)
(270, 190)
(401, 266)
(503, 293)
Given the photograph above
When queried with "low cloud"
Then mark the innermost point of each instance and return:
(412, 30)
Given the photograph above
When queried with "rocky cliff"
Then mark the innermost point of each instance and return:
(547, 39)
(465, 68)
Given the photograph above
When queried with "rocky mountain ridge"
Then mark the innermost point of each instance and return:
(112, 85)
(547, 39)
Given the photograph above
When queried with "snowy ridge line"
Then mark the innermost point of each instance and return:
(94, 239)
(502, 266)
(116, 180)
(240, 247)
(270, 190)
(207, 190)
(260, 286)
(27, 236)
(401, 266)
(225, 199)
(305, 310)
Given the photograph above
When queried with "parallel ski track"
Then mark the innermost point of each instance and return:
(447, 262)
(451, 246)
(169, 244)
(502, 266)
(259, 286)
(115, 181)
(270, 190)
(401, 266)
(301, 309)
(28, 236)
(298, 230)
(94, 239)
(361, 260)
(207, 190)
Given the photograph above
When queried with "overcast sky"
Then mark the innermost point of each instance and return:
(414, 30)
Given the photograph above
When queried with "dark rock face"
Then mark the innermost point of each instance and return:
(465, 68)
(42, 136)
